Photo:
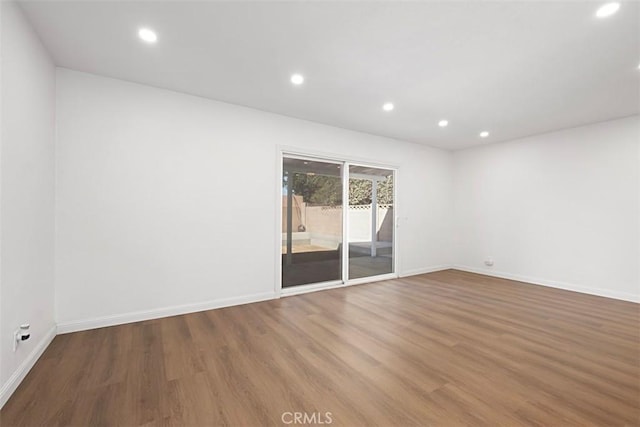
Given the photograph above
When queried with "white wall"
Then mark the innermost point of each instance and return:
(26, 196)
(148, 213)
(559, 209)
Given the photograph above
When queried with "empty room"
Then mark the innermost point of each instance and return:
(350, 213)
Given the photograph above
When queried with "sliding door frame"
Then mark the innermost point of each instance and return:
(345, 162)
(385, 276)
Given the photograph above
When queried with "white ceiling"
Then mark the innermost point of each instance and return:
(512, 68)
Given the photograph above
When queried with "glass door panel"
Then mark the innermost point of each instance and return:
(312, 226)
(371, 221)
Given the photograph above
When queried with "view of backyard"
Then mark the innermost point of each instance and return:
(312, 226)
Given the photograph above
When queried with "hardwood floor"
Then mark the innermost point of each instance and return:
(446, 348)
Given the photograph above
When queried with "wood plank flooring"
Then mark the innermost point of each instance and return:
(443, 349)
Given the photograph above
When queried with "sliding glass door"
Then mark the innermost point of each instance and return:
(311, 222)
(371, 221)
(329, 205)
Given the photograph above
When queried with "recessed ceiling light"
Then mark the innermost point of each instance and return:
(484, 134)
(388, 106)
(147, 35)
(297, 79)
(607, 9)
(443, 123)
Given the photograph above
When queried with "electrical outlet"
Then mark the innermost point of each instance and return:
(21, 334)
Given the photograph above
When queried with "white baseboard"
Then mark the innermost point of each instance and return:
(552, 284)
(65, 327)
(119, 319)
(425, 270)
(16, 378)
